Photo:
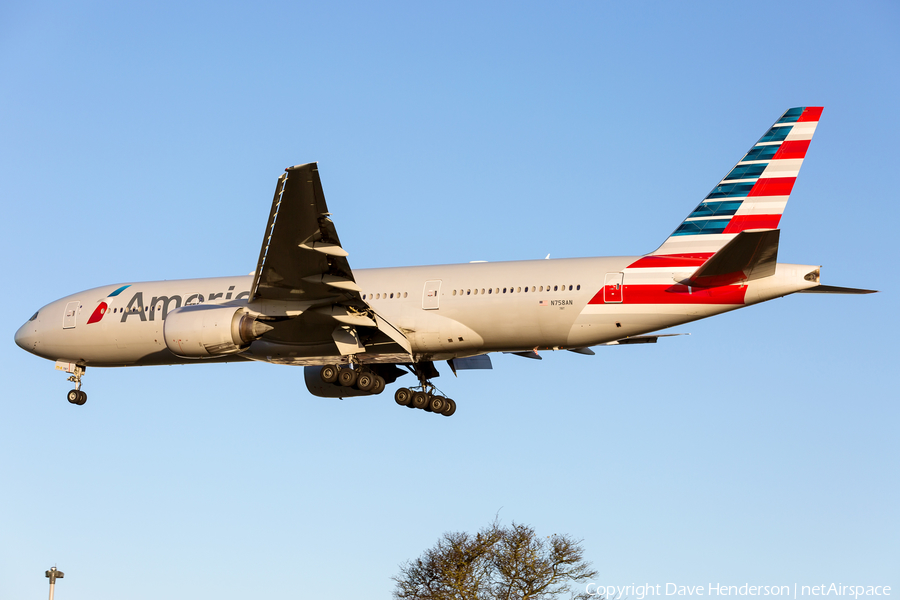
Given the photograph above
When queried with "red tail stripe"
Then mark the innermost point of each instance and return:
(812, 113)
(795, 149)
(773, 186)
(741, 222)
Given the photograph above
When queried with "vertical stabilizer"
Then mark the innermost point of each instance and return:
(753, 194)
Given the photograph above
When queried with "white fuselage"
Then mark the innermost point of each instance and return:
(445, 311)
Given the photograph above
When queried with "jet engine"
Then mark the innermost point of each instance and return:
(205, 331)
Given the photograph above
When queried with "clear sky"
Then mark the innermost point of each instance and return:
(142, 141)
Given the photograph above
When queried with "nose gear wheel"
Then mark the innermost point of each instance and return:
(77, 396)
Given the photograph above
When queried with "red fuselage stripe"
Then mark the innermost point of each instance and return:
(677, 294)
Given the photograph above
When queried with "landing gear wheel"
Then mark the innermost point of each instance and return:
(379, 385)
(449, 408)
(437, 404)
(73, 396)
(347, 377)
(329, 373)
(403, 396)
(82, 399)
(365, 381)
(419, 400)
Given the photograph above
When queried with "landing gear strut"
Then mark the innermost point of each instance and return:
(424, 397)
(76, 396)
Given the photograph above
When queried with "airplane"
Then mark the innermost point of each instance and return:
(357, 331)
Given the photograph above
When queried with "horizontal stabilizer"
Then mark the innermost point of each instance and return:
(752, 254)
(833, 289)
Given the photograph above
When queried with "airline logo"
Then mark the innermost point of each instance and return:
(754, 193)
(103, 307)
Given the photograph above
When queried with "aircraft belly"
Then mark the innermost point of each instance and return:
(602, 323)
(519, 325)
(432, 332)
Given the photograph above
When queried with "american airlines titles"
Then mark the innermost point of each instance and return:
(135, 306)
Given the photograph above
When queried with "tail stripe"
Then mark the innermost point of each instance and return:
(741, 222)
(789, 150)
(754, 192)
(811, 114)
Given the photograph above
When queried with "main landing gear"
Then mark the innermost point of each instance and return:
(361, 379)
(423, 396)
(426, 400)
(364, 379)
(76, 396)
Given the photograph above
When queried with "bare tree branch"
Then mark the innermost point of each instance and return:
(499, 563)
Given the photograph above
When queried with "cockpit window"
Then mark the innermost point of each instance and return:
(34, 316)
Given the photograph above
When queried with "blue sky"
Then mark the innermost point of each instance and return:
(143, 142)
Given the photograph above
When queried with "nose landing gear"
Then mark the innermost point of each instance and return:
(75, 396)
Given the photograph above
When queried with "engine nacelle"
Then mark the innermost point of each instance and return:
(205, 330)
(319, 388)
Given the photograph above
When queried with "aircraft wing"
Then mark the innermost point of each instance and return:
(303, 282)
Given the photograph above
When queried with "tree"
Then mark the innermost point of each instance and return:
(498, 563)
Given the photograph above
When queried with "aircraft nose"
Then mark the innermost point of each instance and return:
(26, 337)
